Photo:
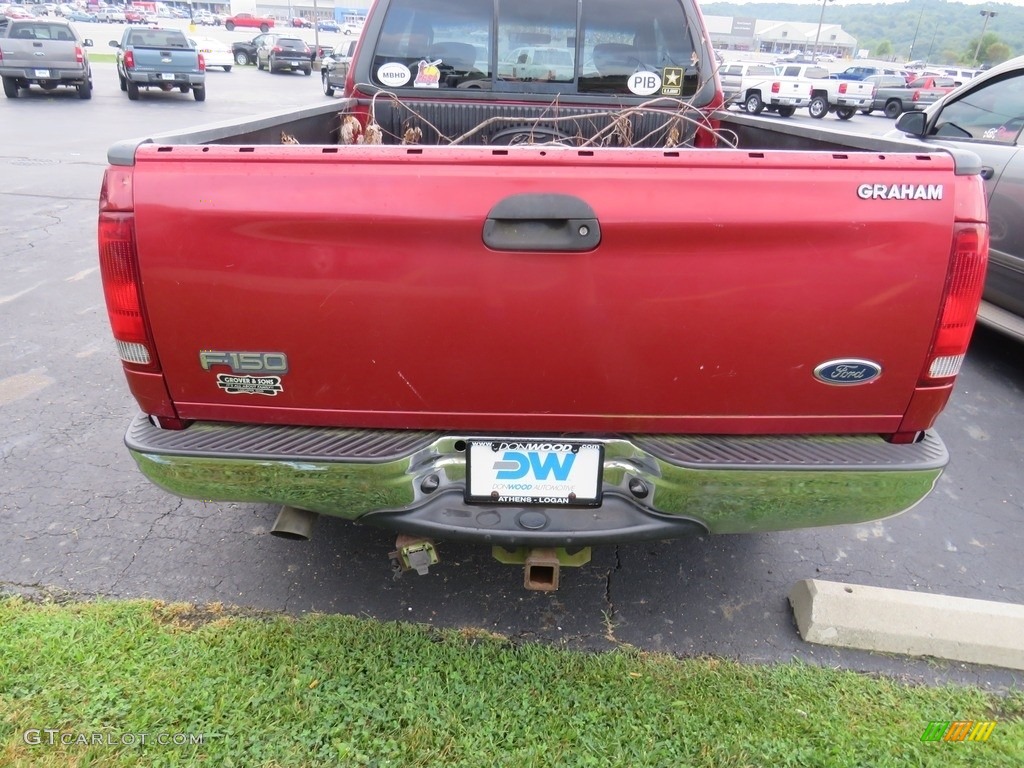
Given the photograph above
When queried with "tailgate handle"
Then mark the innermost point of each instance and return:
(542, 222)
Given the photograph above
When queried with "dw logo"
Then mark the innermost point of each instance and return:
(515, 465)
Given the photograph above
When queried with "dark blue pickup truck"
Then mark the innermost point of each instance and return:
(159, 58)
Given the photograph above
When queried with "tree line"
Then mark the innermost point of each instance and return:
(937, 31)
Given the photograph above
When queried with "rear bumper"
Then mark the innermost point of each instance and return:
(654, 487)
(853, 101)
(55, 75)
(157, 79)
(305, 62)
(788, 101)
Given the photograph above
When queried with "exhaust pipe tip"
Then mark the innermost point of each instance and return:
(294, 524)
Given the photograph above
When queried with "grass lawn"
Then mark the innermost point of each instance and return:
(102, 684)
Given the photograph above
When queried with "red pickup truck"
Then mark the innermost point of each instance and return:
(263, 23)
(550, 313)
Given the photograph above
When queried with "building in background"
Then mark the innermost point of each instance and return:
(735, 33)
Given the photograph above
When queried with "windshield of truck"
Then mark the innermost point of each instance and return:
(642, 48)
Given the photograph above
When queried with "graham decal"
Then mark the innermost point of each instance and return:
(899, 191)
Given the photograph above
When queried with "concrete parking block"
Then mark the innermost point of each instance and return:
(911, 623)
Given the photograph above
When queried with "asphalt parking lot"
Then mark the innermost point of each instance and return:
(80, 518)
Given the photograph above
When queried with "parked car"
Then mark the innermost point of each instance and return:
(732, 74)
(351, 29)
(111, 15)
(878, 82)
(861, 71)
(78, 15)
(263, 23)
(328, 25)
(915, 95)
(541, 63)
(986, 115)
(216, 53)
(159, 58)
(300, 22)
(334, 66)
(16, 12)
(45, 52)
(291, 53)
(244, 51)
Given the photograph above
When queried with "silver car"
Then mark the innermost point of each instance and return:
(986, 116)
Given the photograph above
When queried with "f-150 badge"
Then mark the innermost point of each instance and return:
(243, 366)
(847, 372)
(244, 362)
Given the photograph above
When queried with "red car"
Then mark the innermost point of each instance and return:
(298, 21)
(263, 23)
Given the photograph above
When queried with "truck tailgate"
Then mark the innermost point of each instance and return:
(721, 281)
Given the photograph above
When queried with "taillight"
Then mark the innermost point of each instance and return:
(277, 49)
(776, 87)
(202, 63)
(842, 87)
(960, 299)
(119, 271)
(916, 96)
(129, 60)
(79, 55)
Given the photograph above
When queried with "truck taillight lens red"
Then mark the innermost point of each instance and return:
(202, 63)
(842, 87)
(119, 270)
(79, 55)
(120, 273)
(776, 86)
(916, 96)
(961, 297)
(129, 60)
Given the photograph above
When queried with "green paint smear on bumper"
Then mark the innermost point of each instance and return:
(725, 501)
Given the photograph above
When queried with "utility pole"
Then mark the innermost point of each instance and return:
(910, 56)
(988, 15)
(821, 16)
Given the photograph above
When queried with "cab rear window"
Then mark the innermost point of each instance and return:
(641, 48)
(42, 31)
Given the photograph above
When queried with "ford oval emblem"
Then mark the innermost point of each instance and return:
(847, 372)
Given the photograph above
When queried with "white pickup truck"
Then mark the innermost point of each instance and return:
(844, 97)
(760, 87)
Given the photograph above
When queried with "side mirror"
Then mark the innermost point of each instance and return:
(114, 44)
(913, 123)
(87, 42)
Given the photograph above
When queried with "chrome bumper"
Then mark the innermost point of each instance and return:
(654, 487)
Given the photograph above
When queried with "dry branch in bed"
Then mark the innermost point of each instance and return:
(619, 129)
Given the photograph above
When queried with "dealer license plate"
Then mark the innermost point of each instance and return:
(167, 76)
(534, 471)
(42, 73)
